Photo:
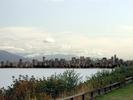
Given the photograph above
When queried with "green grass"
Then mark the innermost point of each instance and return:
(125, 93)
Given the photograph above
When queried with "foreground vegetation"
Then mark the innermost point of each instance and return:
(124, 93)
(30, 88)
(104, 78)
(61, 85)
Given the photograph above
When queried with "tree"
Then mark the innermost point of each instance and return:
(71, 79)
(52, 86)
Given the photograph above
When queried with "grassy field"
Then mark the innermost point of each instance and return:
(125, 93)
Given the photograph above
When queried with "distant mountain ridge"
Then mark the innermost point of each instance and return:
(7, 56)
(52, 56)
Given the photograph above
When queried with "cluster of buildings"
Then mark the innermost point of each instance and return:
(81, 62)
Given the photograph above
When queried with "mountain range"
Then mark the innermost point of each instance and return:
(52, 56)
(8, 56)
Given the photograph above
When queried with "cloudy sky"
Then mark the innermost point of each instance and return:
(80, 27)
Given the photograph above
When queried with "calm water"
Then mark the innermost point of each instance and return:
(6, 74)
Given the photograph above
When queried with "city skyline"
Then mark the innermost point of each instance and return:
(80, 27)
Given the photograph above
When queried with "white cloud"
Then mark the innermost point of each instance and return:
(36, 40)
(49, 40)
(126, 28)
(11, 48)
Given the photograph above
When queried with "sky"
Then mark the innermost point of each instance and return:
(80, 27)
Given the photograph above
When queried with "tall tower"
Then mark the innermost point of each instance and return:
(114, 59)
(33, 63)
(2, 63)
(43, 59)
(20, 63)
